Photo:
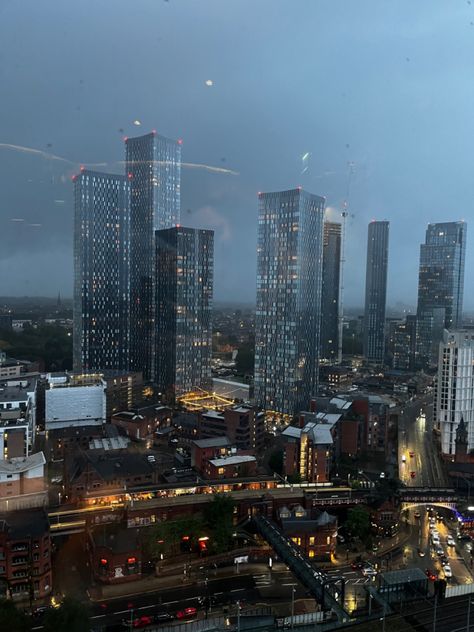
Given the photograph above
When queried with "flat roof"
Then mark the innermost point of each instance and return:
(16, 465)
(213, 442)
(232, 460)
(404, 576)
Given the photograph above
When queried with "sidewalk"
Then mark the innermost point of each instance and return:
(387, 547)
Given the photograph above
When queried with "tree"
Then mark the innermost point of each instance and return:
(218, 516)
(71, 616)
(11, 618)
(358, 523)
(165, 537)
(275, 462)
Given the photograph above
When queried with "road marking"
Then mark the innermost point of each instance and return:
(234, 590)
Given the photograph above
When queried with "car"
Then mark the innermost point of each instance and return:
(435, 540)
(186, 613)
(40, 611)
(140, 622)
(450, 541)
(421, 553)
(468, 547)
(431, 575)
(368, 571)
(382, 475)
(163, 617)
(357, 565)
(417, 514)
(448, 573)
(404, 458)
(341, 538)
(439, 550)
(412, 474)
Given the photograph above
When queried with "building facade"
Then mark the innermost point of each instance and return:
(440, 286)
(101, 271)
(330, 291)
(454, 398)
(376, 292)
(288, 314)
(404, 344)
(153, 165)
(184, 279)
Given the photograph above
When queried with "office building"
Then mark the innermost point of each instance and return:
(183, 330)
(404, 344)
(288, 314)
(153, 166)
(454, 397)
(330, 291)
(376, 292)
(440, 286)
(101, 272)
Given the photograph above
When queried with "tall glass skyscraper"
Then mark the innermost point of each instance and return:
(153, 165)
(330, 291)
(183, 325)
(440, 286)
(288, 316)
(101, 272)
(376, 292)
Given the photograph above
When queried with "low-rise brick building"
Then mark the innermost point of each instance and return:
(25, 554)
(115, 554)
(314, 531)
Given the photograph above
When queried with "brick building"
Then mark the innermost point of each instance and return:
(115, 554)
(22, 483)
(314, 531)
(25, 554)
(141, 423)
(244, 425)
(101, 473)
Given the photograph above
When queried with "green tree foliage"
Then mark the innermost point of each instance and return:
(71, 616)
(358, 523)
(165, 537)
(275, 462)
(50, 344)
(218, 516)
(11, 618)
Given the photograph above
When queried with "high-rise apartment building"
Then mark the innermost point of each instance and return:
(153, 165)
(183, 294)
(101, 272)
(288, 314)
(440, 286)
(454, 398)
(404, 344)
(376, 291)
(330, 291)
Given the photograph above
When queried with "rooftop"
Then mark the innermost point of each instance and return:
(232, 460)
(24, 523)
(213, 442)
(403, 576)
(22, 464)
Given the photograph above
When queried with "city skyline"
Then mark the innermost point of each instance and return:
(398, 174)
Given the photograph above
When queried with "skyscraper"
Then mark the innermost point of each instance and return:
(376, 292)
(183, 293)
(454, 398)
(101, 272)
(288, 315)
(153, 165)
(330, 291)
(440, 286)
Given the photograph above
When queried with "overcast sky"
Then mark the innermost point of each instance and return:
(386, 85)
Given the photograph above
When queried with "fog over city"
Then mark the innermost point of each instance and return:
(369, 102)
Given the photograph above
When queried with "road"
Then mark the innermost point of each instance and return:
(424, 468)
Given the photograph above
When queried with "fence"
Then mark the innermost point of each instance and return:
(457, 591)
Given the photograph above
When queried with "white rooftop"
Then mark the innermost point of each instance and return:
(232, 460)
(16, 465)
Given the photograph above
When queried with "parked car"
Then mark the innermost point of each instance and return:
(187, 613)
(163, 617)
(431, 575)
(140, 622)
